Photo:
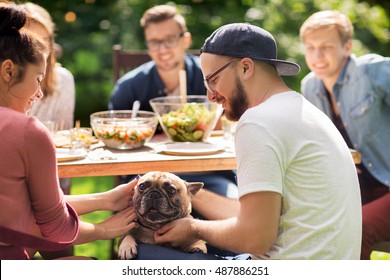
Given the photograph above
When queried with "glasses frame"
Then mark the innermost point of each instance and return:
(216, 72)
(175, 40)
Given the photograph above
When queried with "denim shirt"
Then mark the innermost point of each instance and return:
(144, 83)
(362, 93)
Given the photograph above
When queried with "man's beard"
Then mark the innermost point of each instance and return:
(239, 102)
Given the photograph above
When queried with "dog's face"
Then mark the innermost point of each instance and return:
(161, 197)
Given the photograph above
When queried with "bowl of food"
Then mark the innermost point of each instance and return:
(186, 119)
(119, 130)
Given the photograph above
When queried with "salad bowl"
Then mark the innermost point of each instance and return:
(186, 119)
(118, 129)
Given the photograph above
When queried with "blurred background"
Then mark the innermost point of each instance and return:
(87, 29)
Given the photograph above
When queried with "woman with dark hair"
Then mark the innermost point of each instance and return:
(34, 213)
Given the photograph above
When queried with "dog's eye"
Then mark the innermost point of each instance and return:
(142, 187)
(171, 190)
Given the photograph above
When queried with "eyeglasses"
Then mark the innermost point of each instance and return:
(169, 42)
(209, 85)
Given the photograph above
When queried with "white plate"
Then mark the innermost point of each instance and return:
(189, 148)
(68, 155)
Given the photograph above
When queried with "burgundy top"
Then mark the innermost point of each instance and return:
(30, 198)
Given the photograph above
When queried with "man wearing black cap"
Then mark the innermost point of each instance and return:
(298, 189)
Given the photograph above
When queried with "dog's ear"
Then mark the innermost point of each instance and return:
(194, 187)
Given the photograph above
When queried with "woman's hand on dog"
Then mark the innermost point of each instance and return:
(118, 224)
(114, 226)
(121, 197)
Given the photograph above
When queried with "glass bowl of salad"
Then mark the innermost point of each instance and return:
(118, 130)
(186, 119)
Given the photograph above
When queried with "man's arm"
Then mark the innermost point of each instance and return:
(254, 230)
(215, 207)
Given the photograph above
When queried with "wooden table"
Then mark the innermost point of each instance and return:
(145, 159)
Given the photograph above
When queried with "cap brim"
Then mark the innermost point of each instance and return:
(284, 68)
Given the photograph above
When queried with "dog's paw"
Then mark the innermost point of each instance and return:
(128, 248)
(197, 247)
(195, 250)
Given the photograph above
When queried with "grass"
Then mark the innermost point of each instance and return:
(101, 249)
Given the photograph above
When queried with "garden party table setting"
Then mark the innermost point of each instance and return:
(125, 141)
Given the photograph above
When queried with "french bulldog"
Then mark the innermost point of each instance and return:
(159, 198)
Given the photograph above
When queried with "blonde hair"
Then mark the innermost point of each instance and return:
(38, 14)
(328, 19)
(161, 13)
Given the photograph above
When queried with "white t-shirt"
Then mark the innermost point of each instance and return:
(286, 145)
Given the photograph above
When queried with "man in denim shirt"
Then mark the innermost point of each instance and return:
(355, 94)
(167, 40)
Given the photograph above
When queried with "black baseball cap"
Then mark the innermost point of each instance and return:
(247, 40)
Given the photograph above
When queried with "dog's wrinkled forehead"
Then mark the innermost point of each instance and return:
(160, 179)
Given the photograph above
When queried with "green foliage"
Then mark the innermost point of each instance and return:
(99, 249)
(99, 24)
